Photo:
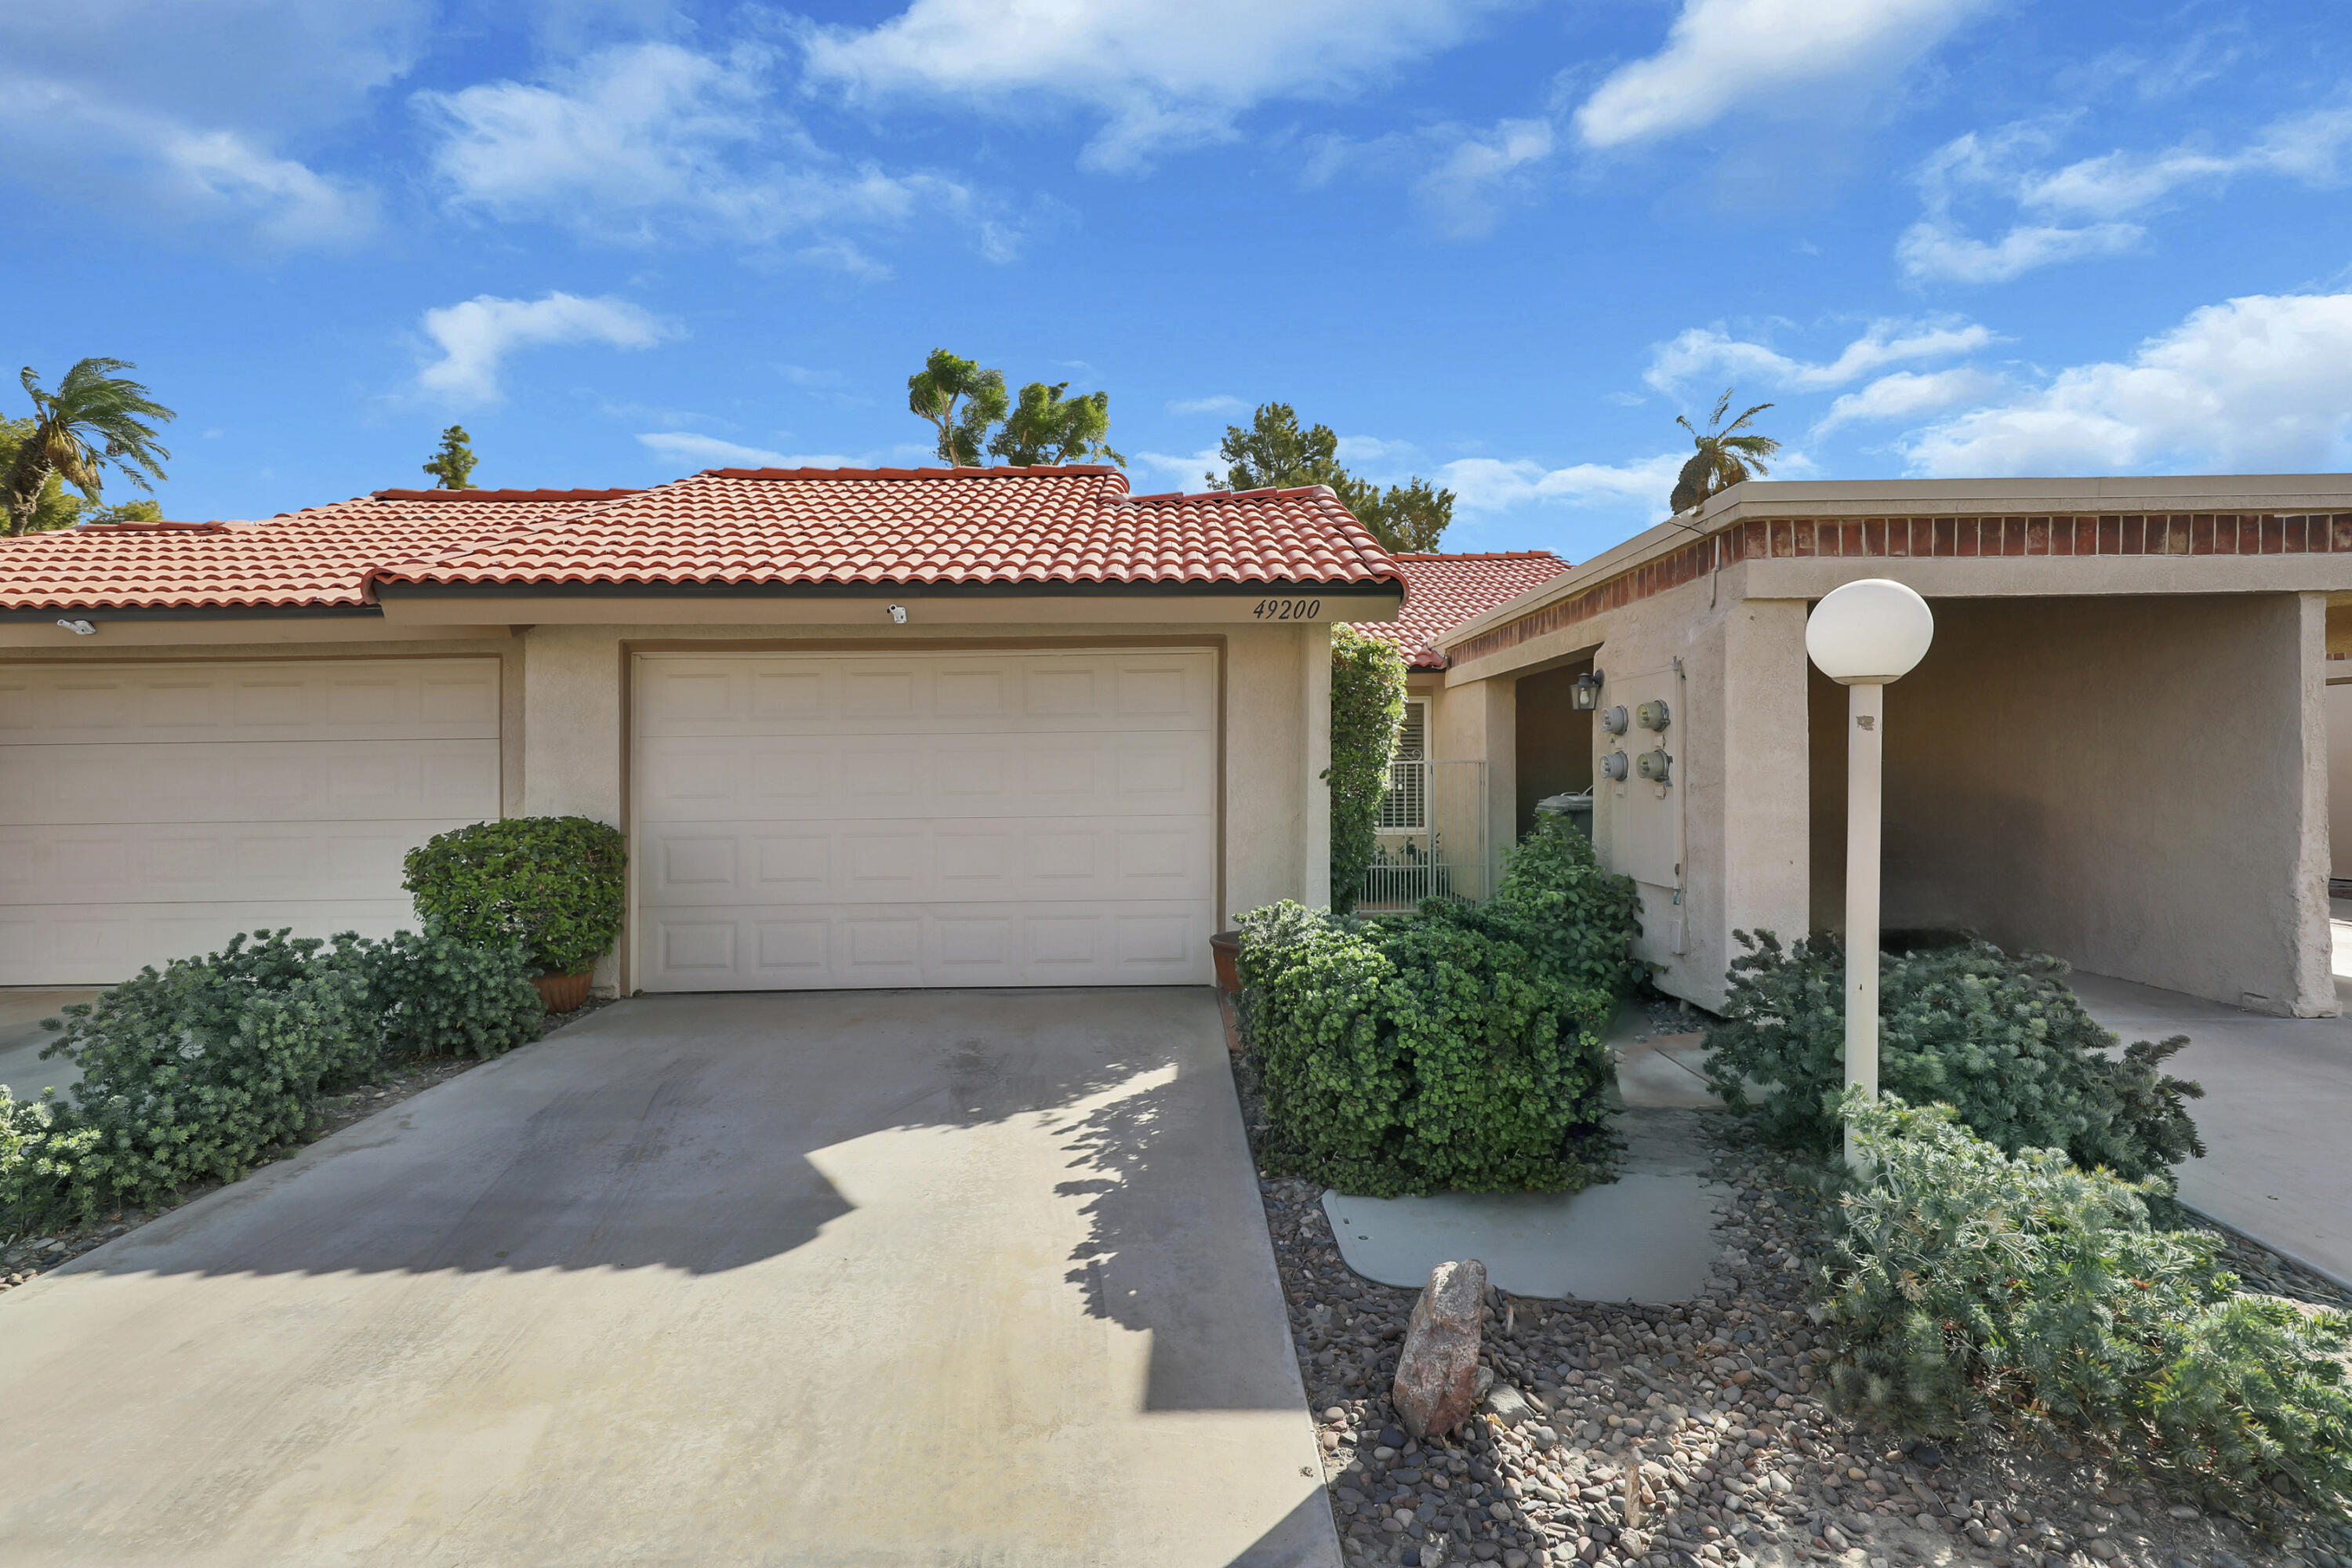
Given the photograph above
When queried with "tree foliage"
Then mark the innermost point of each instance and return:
(1975, 1290)
(1367, 708)
(452, 466)
(1722, 455)
(1276, 453)
(976, 419)
(1998, 1036)
(963, 402)
(94, 420)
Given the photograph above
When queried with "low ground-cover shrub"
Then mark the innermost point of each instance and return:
(1995, 1035)
(554, 884)
(1975, 1289)
(196, 1070)
(1421, 1053)
(437, 994)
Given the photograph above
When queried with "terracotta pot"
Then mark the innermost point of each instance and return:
(1225, 947)
(563, 993)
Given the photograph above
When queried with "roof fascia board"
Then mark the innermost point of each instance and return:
(2291, 494)
(1270, 608)
(1027, 588)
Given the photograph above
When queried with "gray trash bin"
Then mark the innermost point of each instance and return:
(1576, 805)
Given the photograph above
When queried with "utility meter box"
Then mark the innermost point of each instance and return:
(1641, 784)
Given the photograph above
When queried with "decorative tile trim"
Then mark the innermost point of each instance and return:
(1899, 538)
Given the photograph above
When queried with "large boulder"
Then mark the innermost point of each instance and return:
(1437, 1372)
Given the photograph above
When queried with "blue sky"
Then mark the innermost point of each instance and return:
(1501, 245)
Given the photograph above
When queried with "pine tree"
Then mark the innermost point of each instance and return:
(453, 465)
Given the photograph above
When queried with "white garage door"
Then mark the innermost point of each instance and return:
(817, 820)
(147, 811)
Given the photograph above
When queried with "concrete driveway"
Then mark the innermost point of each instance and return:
(962, 1278)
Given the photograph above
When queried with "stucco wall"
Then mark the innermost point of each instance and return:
(2136, 784)
(2339, 768)
(573, 744)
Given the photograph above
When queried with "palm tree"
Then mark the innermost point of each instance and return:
(1724, 457)
(93, 418)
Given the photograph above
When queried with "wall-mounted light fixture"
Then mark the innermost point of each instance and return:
(1613, 720)
(1588, 691)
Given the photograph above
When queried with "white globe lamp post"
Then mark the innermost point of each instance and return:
(1864, 636)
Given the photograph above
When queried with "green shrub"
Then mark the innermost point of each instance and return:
(1997, 1036)
(439, 996)
(553, 883)
(1367, 706)
(37, 1159)
(1430, 1051)
(195, 1070)
(1974, 1289)
(1581, 918)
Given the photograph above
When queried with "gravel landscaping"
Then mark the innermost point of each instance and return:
(1665, 1435)
(27, 1258)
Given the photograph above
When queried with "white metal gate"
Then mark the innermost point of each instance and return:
(1432, 836)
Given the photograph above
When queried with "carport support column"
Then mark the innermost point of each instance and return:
(1315, 657)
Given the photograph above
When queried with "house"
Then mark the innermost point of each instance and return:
(2116, 751)
(862, 727)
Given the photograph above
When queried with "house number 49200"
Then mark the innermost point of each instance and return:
(1287, 609)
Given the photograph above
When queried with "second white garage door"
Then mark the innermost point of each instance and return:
(976, 818)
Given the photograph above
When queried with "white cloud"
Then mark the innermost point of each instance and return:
(1493, 484)
(161, 164)
(1725, 54)
(2084, 208)
(2259, 383)
(1222, 403)
(1160, 73)
(1712, 352)
(476, 336)
(686, 446)
(1907, 393)
(650, 139)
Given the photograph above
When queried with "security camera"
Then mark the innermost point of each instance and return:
(78, 628)
(897, 614)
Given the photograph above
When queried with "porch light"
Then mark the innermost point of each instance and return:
(1588, 691)
(1864, 636)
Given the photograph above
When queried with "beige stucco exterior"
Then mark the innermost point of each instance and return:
(2121, 758)
(564, 696)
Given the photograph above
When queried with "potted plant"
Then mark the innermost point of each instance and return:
(552, 884)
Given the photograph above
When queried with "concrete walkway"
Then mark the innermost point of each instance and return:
(23, 1073)
(2277, 1105)
(869, 1278)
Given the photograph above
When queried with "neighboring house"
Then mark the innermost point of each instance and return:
(864, 727)
(2117, 749)
(1442, 825)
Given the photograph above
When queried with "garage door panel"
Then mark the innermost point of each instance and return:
(866, 946)
(926, 819)
(702, 864)
(932, 693)
(148, 812)
(306, 700)
(80, 945)
(253, 781)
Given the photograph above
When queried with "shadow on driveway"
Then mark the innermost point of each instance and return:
(855, 1277)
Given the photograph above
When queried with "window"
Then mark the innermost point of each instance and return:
(1405, 809)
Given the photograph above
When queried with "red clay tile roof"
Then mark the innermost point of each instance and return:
(318, 558)
(1443, 591)
(1073, 524)
(810, 526)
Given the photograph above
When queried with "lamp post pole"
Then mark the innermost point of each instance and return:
(1862, 636)
(1866, 718)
